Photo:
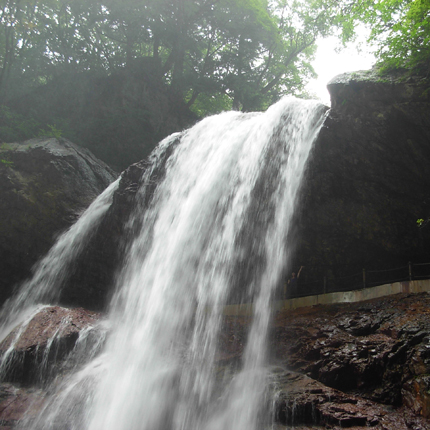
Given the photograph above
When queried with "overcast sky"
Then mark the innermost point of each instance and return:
(328, 64)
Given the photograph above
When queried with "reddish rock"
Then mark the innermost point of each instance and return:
(377, 351)
(354, 365)
(15, 402)
(349, 365)
(46, 340)
(232, 338)
(302, 400)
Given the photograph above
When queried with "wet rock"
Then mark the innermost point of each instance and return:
(388, 365)
(372, 154)
(302, 400)
(45, 184)
(304, 403)
(232, 339)
(15, 402)
(33, 352)
(92, 282)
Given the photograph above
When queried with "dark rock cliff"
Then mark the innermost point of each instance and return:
(45, 184)
(92, 281)
(366, 183)
(364, 189)
(365, 186)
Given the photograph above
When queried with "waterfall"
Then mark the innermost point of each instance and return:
(214, 230)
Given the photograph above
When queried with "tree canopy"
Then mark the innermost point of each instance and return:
(206, 55)
(400, 30)
(231, 53)
(215, 54)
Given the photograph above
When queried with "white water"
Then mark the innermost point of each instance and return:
(229, 191)
(218, 221)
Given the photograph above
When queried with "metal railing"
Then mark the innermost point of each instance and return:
(322, 280)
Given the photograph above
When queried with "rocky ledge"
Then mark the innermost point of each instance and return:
(35, 351)
(354, 365)
(48, 345)
(373, 355)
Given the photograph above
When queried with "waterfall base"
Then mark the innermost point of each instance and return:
(351, 365)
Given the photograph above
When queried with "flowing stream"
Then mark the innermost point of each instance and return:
(215, 230)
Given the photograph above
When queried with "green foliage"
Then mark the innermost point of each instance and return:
(252, 51)
(52, 131)
(211, 55)
(400, 30)
(213, 103)
(5, 158)
(6, 162)
(16, 127)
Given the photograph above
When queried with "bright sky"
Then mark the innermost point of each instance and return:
(329, 64)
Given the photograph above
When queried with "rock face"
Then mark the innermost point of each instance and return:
(367, 355)
(366, 183)
(337, 366)
(364, 189)
(354, 365)
(45, 184)
(305, 403)
(92, 282)
(15, 402)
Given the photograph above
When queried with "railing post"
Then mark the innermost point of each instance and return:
(364, 278)
(410, 270)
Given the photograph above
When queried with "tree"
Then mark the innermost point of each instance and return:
(400, 29)
(119, 76)
(22, 45)
(247, 51)
(236, 53)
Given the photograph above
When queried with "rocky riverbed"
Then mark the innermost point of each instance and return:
(348, 365)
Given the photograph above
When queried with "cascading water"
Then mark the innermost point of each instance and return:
(49, 274)
(216, 225)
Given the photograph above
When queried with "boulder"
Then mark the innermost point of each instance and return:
(366, 184)
(45, 184)
(33, 352)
